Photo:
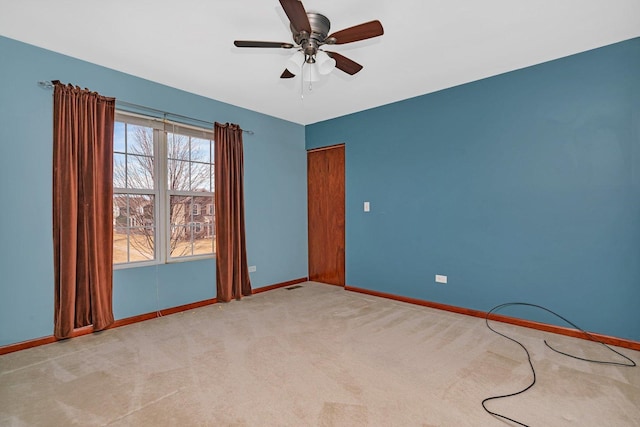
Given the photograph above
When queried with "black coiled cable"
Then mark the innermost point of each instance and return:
(533, 371)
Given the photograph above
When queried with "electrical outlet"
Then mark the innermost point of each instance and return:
(441, 279)
(252, 269)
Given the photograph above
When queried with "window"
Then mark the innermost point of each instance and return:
(162, 177)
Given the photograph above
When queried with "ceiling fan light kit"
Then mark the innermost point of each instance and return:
(324, 62)
(294, 64)
(311, 68)
(310, 31)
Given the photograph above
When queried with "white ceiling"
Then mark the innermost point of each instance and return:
(428, 45)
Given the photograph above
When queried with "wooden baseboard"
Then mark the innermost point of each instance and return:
(27, 344)
(134, 319)
(279, 285)
(619, 342)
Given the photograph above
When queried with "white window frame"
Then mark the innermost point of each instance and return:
(161, 192)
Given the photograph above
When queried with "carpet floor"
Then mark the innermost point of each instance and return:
(314, 356)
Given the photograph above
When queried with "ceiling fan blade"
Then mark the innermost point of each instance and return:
(286, 74)
(297, 15)
(250, 43)
(345, 64)
(359, 32)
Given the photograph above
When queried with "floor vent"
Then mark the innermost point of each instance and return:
(290, 288)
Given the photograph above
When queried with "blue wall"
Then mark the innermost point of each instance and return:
(520, 187)
(275, 193)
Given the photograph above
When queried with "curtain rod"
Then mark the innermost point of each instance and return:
(46, 84)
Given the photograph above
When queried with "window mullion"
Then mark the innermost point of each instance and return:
(160, 143)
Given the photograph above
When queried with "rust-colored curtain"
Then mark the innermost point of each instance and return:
(232, 271)
(82, 208)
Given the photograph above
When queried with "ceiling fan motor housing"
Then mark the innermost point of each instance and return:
(320, 26)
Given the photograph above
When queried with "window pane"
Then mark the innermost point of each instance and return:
(203, 239)
(202, 201)
(178, 175)
(120, 210)
(210, 229)
(133, 228)
(141, 244)
(200, 179)
(139, 140)
(120, 245)
(135, 169)
(119, 171)
(140, 172)
(203, 229)
(200, 150)
(179, 210)
(177, 146)
(141, 207)
(180, 244)
(119, 137)
(192, 225)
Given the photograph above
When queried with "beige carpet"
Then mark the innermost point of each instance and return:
(313, 356)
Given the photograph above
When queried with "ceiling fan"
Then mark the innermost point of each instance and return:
(310, 32)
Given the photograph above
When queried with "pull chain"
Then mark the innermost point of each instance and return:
(302, 70)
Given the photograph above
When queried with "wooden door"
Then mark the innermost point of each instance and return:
(325, 203)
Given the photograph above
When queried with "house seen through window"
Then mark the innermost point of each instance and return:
(162, 189)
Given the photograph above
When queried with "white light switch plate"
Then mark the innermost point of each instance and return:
(441, 279)
(367, 207)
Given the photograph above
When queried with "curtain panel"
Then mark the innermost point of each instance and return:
(232, 272)
(82, 208)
